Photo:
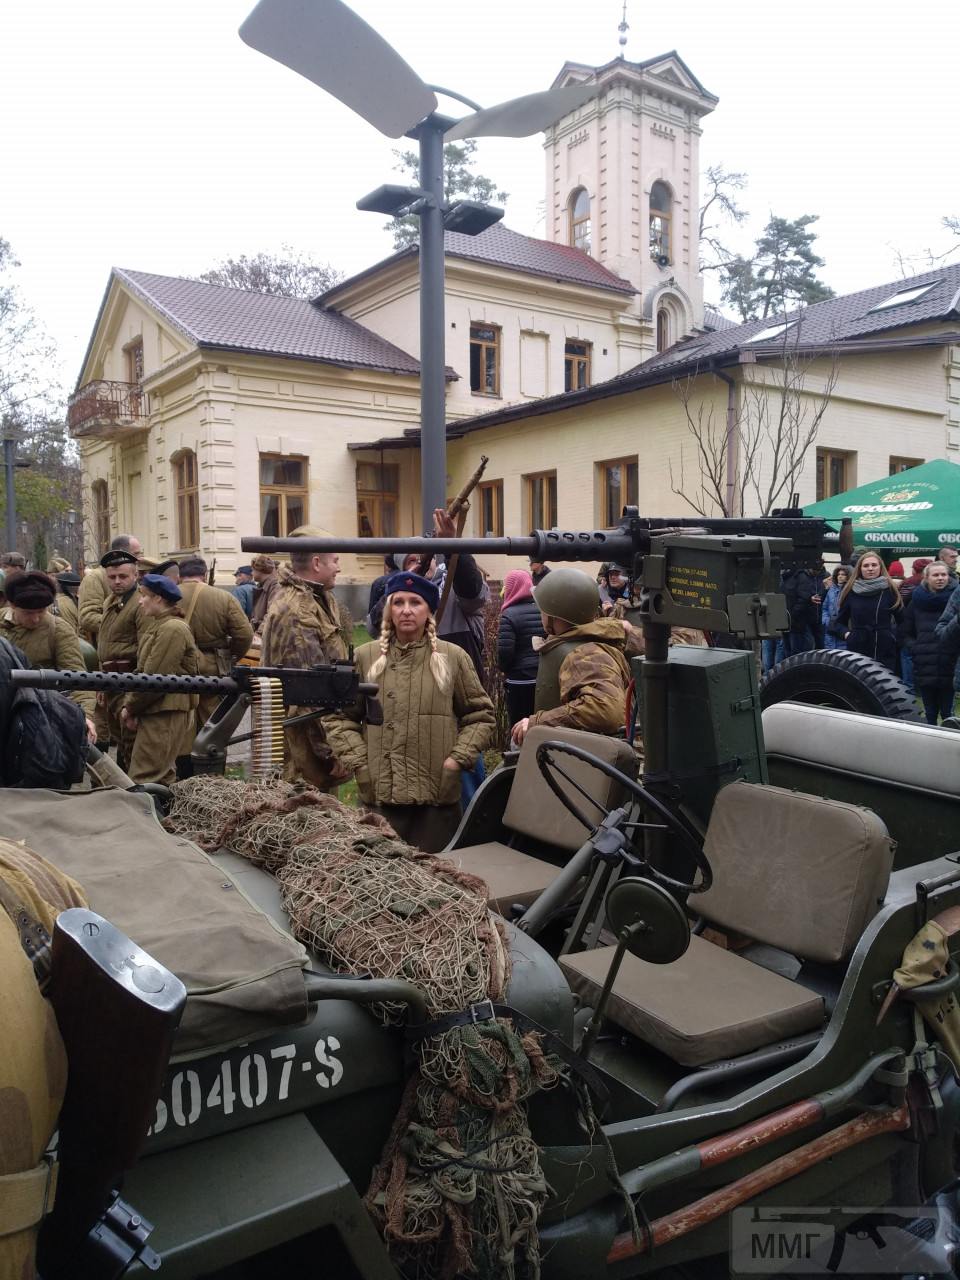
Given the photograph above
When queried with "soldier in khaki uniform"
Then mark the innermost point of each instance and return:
(583, 674)
(95, 590)
(91, 598)
(219, 625)
(303, 629)
(118, 637)
(46, 641)
(65, 605)
(163, 722)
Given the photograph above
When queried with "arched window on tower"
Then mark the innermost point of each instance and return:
(579, 208)
(661, 204)
(663, 329)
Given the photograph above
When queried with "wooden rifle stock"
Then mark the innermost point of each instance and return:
(117, 1010)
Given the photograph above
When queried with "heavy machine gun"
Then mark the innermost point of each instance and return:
(268, 689)
(720, 575)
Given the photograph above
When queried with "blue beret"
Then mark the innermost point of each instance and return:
(418, 585)
(159, 585)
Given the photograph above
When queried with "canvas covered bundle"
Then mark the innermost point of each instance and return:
(459, 1187)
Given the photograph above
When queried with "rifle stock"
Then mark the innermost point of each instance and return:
(117, 1010)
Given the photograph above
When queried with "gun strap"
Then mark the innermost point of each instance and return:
(26, 1198)
(193, 603)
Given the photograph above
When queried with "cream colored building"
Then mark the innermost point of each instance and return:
(205, 413)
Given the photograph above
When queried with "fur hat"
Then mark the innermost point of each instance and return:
(33, 590)
(266, 564)
(413, 582)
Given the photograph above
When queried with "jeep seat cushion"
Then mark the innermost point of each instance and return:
(243, 974)
(796, 871)
(533, 809)
(709, 1004)
(919, 755)
(510, 876)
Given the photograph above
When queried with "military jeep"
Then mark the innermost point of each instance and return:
(713, 941)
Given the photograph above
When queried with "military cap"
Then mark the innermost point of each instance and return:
(113, 558)
(33, 590)
(309, 531)
(413, 582)
(57, 564)
(146, 563)
(244, 568)
(158, 585)
(164, 565)
(69, 579)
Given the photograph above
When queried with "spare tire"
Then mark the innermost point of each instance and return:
(842, 679)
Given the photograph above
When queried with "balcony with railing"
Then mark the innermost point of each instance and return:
(105, 410)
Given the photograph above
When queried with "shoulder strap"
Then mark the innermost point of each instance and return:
(193, 603)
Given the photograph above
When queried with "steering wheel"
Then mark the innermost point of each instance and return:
(549, 768)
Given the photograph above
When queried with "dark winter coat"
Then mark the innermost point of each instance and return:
(519, 624)
(869, 622)
(934, 657)
(799, 586)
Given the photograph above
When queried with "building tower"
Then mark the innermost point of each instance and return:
(623, 184)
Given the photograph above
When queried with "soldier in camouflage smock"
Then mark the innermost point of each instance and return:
(583, 674)
(303, 628)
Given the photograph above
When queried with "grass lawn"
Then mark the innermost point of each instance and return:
(360, 635)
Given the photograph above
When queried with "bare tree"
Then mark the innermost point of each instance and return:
(291, 274)
(773, 424)
(719, 206)
(912, 264)
(28, 382)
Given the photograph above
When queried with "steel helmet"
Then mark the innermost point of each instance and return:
(568, 594)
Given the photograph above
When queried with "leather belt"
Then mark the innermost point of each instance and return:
(119, 665)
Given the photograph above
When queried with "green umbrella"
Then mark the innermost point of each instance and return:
(913, 511)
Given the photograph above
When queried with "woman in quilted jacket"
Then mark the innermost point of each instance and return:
(436, 719)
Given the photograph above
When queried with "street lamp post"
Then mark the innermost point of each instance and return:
(326, 42)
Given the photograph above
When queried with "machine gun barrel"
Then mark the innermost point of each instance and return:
(620, 545)
(315, 686)
(121, 682)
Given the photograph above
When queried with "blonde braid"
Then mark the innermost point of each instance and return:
(386, 631)
(439, 666)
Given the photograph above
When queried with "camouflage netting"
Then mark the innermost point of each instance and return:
(459, 1188)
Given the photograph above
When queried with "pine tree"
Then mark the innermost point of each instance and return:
(459, 183)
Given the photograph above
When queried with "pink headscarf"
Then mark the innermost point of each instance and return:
(517, 585)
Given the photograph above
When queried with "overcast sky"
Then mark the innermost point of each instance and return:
(145, 134)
